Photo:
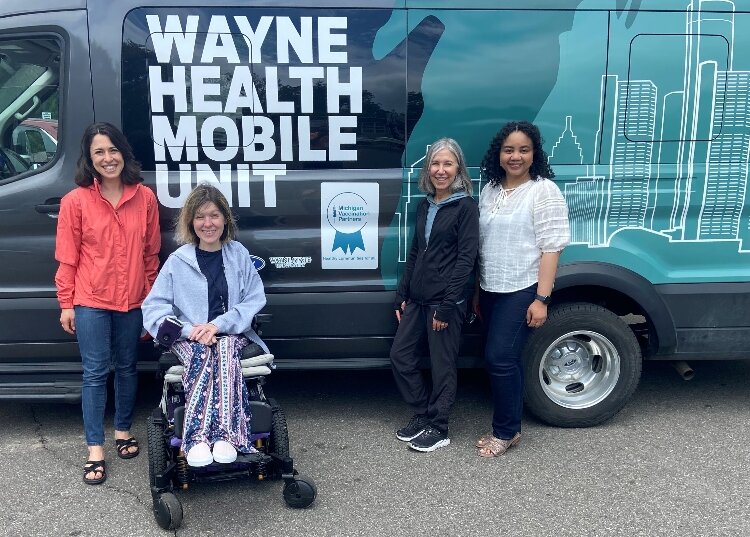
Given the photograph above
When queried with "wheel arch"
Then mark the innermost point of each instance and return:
(622, 291)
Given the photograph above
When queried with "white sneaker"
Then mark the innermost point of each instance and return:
(199, 455)
(224, 452)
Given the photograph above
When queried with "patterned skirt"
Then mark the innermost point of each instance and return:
(217, 405)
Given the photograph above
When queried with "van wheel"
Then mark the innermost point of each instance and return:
(581, 366)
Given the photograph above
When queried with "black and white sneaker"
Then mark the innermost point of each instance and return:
(430, 440)
(417, 424)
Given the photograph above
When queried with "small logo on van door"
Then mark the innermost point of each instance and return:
(349, 225)
(258, 262)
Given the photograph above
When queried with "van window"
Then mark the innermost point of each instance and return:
(298, 89)
(29, 103)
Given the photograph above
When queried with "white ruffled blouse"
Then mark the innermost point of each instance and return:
(515, 228)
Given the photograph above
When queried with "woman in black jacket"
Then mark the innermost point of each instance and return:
(431, 301)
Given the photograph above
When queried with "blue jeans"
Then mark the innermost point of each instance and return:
(504, 317)
(105, 338)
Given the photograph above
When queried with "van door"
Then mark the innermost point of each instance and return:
(42, 56)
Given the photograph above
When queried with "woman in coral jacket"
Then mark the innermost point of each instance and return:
(108, 243)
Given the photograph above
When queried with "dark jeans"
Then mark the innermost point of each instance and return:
(107, 337)
(416, 323)
(504, 317)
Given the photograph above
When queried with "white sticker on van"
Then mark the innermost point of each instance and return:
(349, 225)
(290, 262)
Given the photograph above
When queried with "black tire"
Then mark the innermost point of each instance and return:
(279, 441)
(168, 511)
(581, 367)
(157, 448)
(300, 492)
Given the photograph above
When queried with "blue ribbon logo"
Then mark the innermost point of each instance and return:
(348, 242)
(347, 214)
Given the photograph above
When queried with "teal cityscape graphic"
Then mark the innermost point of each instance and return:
(647, 126)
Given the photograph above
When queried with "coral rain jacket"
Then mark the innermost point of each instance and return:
(108, 255)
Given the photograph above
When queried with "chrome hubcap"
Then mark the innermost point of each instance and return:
(579, 369)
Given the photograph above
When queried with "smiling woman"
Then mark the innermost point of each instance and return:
(216, 315)
(429, 300)
(108, 243)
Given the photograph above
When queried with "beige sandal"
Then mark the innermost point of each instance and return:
(483, 440)
(496, 447)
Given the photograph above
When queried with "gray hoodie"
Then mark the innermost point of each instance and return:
(181, 291)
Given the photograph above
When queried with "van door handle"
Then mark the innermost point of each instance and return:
(50, 207)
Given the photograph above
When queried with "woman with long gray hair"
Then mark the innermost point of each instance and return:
(431, 299)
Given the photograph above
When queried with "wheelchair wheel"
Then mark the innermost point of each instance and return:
(279, 443)
(157, 449)
(168, 511)
(300, 492)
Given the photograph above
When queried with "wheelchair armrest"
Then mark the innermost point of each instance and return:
(167, 360)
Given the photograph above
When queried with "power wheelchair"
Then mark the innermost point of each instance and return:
(167, 466)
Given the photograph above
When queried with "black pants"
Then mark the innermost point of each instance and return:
(416, 323)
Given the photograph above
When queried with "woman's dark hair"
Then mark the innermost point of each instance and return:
(491, 169)
(85, 173)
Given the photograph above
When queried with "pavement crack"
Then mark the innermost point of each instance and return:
(39, 429)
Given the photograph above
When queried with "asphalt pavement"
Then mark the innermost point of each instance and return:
(675, 461)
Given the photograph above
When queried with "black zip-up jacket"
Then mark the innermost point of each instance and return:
(437, 273)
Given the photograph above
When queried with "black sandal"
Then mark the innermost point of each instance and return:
(94, 467)
(124, 444)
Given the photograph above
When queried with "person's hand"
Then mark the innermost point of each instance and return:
(398, 312)
(475, 306)
(68, 320)
(204, 334)
(536, 315)
(438, 325)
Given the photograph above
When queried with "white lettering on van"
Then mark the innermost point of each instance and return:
(306, 76)
(162, 185)
(338, 89)
(273, 104)
(223, 181)
(219, 42)
(269, 172)
(305, 152)
(202, 89)
(338, 138)
(242, 92)
(261, 146)
(185, 138)
(189, 175)
(214, 103)
(160, 88)
(327, 39)
(288, 37)
(254, 38)
(172, 34)
(211, 125)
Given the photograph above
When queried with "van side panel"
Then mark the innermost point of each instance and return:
(36, 357)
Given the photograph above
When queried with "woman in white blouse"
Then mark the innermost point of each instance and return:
(523, 228)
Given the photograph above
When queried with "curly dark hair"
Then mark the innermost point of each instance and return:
(491, 169)
(85, 173)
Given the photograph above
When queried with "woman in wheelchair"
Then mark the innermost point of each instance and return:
(212, 288)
